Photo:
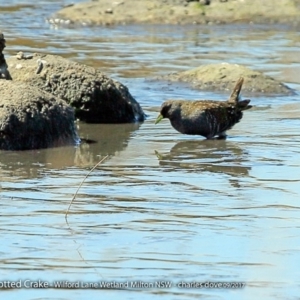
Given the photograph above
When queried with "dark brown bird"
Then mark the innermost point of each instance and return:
(208, 118)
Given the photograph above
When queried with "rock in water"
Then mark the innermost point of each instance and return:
(208, 118)
(95, 97)
(32, 119)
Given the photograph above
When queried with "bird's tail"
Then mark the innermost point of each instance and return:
(235, 96)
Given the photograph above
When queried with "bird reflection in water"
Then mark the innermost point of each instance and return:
(217, 156)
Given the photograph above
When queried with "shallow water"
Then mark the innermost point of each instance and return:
(163, 206)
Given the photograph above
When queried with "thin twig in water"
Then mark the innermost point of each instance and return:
(99, 163)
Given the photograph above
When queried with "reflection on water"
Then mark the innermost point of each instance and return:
(102, 140)
(98, 140)
(164, 206)
(207, 156)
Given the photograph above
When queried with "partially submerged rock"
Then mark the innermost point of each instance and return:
(31, 118)
(95, 97)
(223, 77)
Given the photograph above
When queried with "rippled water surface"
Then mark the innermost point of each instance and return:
(163, 206)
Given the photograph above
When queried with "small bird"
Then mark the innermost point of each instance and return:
(208, 118)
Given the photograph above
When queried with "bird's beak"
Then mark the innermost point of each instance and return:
(159, 118)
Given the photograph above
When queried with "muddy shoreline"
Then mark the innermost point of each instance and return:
(106, 12)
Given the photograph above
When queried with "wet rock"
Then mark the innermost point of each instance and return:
(223, 77)
(32, 119)
(95, 97)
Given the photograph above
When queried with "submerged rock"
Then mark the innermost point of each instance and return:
(31, 118)
(223, 77)
(95, 97)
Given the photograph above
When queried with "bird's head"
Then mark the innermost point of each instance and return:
(165, 111)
